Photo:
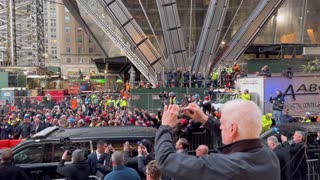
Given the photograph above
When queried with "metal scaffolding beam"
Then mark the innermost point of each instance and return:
(132, 32)
(37, 32)
(11, 28)
(23, 38)
(106, 26)
(247, 32)
(209, 38)
(172, 32)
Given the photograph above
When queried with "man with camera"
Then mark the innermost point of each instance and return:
(242, 157)
(8, 170)
(78, 169)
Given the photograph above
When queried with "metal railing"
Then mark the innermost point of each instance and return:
(313, 171)
(199, 138)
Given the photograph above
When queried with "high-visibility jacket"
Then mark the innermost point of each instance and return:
(111, 103)
(173, 100)
(215, 75)
(266, 122)
(229, 70)
(123, 103)
(246, 96)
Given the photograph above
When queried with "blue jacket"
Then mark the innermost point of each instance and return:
(169, 75)
(92, 161)
(122, 173)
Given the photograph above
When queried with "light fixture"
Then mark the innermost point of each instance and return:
(280, 18)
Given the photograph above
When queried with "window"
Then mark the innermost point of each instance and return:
(58, 151)
(79, 29)
(67, 19)
(80, 60)
(68, 39)
(67, 29)
(68, 49)
(80, 50)
(79, 39)
(68, 60)
(90, 41)
(32, 154)
(90, 50)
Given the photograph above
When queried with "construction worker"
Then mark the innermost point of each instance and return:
(172, 98)
(266, 122)
(123, 103)
(214, 78)
(245, 95)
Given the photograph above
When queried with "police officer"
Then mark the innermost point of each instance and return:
(6, 129)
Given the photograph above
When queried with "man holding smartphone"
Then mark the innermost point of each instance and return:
(242, 157)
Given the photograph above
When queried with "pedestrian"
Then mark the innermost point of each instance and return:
(242, 157)
(297, 151)
(246, 95)
(95, 156)
(177, 77)
(182, 146)
(169, 75)
(202, 150)
(283, 156)
(120, 171)
(277, 106)
(24, 129)
(153, 171)
(186, 78)
(9, 171)
(79, 168)
(6, 130)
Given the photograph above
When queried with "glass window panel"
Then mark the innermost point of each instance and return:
(312, 25)
(32, 154)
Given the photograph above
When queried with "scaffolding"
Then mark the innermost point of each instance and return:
(21, 32)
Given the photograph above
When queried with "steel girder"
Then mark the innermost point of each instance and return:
(210, 34)
(146, 63)
(247, 32)
(134, 34)
(73, 8)
(172, 32)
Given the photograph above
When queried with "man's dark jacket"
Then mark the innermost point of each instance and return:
(8, 171)
(6, 131)
(92, 161)
(74, 171)
(246, 159)
(299, 167)
(284, 158)
(41, 127)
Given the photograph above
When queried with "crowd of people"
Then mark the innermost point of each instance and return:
(242, 157)
(221, 77)
(92, 110)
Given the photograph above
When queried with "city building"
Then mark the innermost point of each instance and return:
(76, 50)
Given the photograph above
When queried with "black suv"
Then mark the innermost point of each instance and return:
(39, 155)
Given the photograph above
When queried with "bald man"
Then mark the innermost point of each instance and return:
(8, 170)
(202, 150)
(242, 157)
